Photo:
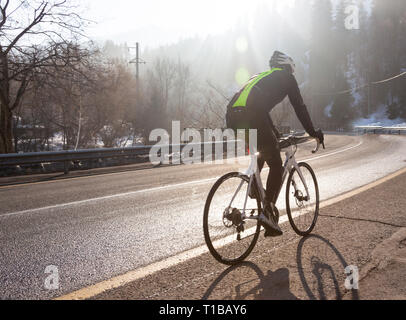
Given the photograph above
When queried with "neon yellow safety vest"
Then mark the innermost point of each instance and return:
(242, 100)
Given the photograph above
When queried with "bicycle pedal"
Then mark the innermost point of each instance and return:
(241, 228)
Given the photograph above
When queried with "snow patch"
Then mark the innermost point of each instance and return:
(327, 110)
(380, 119)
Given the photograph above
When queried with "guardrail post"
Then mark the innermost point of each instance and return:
(66, 166)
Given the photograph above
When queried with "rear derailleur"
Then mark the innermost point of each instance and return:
(234, 218)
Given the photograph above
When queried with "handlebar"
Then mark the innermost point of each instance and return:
(294, 140)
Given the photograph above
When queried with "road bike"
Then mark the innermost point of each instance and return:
(231, 215)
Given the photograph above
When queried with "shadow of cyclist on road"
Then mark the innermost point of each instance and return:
(321, 269)
(247, 281)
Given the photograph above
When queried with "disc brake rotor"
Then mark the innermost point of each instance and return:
(299, 199)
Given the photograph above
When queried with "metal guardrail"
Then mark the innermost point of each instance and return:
(377, 129)
(17, 159)
(67, 157)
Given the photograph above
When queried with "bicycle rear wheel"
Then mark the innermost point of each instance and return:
(229, 237)
(302, 207)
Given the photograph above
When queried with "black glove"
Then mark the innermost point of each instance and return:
(318, 134)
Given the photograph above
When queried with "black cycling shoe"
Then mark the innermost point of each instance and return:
(271, 226)
(273, 233)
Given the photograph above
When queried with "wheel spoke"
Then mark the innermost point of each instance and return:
(302, 200)
(228, 240)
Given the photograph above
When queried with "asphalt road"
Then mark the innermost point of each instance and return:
(94, 228)
(365, 231)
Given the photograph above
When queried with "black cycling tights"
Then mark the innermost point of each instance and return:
(268, 146)
(274, 182)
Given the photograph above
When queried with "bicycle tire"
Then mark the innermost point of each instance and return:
(218, 256)
(295, 227)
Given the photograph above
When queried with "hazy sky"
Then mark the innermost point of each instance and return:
(155, 22)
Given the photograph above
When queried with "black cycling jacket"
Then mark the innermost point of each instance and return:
(272, 90)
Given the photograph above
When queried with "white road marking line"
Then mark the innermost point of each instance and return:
(106, 197)
(334, 153)
(116, 282)
(196, 182)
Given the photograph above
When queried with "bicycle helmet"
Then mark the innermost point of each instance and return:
(280, 59)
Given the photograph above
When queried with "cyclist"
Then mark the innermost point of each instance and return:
(250, 109)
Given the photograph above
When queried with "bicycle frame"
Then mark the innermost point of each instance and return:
(255, 177)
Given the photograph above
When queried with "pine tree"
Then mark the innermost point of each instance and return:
(342, 111)
(322, 68)
(362, 57)
(388, 52)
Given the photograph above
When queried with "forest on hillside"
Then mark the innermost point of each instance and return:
(70, 93)
(330, 59)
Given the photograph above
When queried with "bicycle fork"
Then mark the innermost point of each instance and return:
(297, 196)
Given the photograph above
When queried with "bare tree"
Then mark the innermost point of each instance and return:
(33, 34)
(181, 93)
(164, 71)
(118, 105)
(210, 109)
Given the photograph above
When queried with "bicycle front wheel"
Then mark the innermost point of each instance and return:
(302, 204)
(229, 235)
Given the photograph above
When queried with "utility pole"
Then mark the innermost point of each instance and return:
(137, 61)
(369, 99)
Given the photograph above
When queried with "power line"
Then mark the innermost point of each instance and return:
(390, 79)
(361, 87)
